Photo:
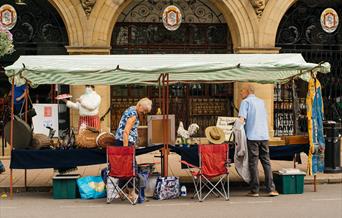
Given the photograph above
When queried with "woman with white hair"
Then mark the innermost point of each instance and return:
(127, 131)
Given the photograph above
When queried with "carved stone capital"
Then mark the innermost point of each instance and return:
(87, 6)
(259, 6)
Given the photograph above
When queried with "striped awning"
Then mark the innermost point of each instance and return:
(145, 69)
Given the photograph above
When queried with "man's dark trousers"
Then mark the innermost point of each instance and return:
(259, 149)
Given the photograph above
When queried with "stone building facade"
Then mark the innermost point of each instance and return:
(252, 27)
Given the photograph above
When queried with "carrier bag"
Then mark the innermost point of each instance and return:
(91, 187)
(166, 188)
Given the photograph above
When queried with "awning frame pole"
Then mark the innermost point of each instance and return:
(164, 101)
(11, 137)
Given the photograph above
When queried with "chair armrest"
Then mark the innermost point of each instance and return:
(188, 164)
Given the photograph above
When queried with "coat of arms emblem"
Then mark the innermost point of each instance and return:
(172, 18)
(329, 20)
(8, 16)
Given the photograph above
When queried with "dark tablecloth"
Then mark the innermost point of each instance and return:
(38, 159)
(286, 152)
(60, 159)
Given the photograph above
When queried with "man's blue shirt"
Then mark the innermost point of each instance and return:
(254, 111)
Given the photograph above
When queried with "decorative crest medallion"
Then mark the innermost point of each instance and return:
(172, 17)
(329, 20)
(8, 16)
(88, 6)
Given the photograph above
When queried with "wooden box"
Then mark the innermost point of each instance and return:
(296, 140)
(155, 129)
(142, 136)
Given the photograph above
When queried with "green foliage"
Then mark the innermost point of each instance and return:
(6, 42)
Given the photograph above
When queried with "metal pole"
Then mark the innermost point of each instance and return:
(26, 103)
(296, 109)
(165, 124)
(11, 138)
(26, 120)
(167, 133)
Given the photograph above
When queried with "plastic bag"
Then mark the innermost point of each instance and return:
(91, 187)
(166, 188)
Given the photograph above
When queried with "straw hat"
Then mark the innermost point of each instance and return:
(215, 134)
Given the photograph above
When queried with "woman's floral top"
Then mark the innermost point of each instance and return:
(133, 135)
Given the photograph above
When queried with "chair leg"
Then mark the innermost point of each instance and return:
(112, 193)
(225, 189)
(119, 190)
(196, 187)
(205, 185)
(228, 191)
(200, 190)
(214, 187)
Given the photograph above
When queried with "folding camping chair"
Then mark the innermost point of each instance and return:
(213, 164)
(121, 168)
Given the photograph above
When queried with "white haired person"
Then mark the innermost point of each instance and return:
(253, 115)
(88, 106)
(127, 131)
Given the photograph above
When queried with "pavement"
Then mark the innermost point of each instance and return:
(327, 202)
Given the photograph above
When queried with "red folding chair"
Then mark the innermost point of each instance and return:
(121, 168)
(213, 164)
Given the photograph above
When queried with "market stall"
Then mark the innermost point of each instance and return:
(168, 69)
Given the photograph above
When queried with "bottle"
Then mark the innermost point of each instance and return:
(183, 191)
(159, 111)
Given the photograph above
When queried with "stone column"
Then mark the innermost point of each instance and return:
(102, 90)
(265, 92)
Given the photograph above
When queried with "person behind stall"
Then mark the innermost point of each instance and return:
(254, 115)
(88, 106)
(19, 97)
(127, 131)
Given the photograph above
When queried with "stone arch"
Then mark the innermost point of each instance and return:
(236, 13)
(270, 20)
(95, 31)
(71, 19)
(242, 26)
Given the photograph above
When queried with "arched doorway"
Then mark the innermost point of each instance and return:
(300, 31)
(39, 31)
(139, 30)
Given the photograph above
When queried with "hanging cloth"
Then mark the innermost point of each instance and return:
(315, 113)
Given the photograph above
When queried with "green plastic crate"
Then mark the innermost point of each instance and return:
(65, 186)
(289, 184)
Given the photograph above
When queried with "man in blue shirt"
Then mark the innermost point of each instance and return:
(253, 113)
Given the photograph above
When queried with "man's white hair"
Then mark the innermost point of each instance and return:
(146, 103)
(249, 88)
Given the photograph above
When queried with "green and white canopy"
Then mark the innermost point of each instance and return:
(145, 69)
